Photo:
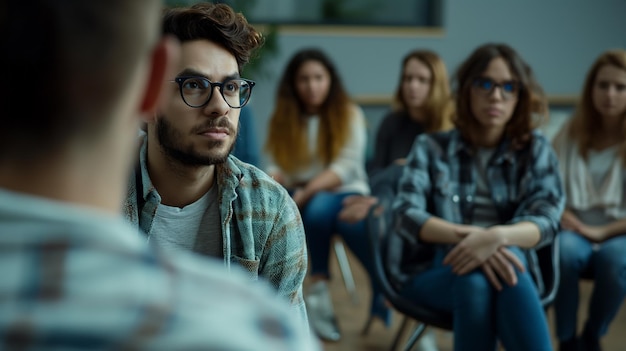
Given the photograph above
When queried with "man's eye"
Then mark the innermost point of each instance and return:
(194, 84)
(231, 87)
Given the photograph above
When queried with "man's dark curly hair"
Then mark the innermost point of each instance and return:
(217, 23)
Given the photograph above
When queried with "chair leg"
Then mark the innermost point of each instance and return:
(346, 272)
(396, 340)
(417, 334)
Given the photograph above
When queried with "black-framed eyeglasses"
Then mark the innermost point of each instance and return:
(486, 86)
(197, 91)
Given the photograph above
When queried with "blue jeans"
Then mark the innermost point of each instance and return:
(482, 315)
(321, 223)
(607, 265)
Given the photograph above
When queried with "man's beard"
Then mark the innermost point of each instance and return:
(171, 141)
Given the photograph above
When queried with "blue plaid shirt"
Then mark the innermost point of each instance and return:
(439, 180)
(76, 279)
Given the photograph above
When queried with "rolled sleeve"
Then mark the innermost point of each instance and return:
(543, 200)
(285, 265)
(410, 205)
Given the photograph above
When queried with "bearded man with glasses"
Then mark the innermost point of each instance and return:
(188, 192)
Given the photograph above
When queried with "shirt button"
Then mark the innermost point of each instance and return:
(469, 198)
(455, 198)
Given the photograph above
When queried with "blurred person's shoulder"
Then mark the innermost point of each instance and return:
(224, 309)
(99, 282)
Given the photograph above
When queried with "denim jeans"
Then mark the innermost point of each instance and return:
(357, 240)
(483, 315)
(321, 223)
(607, 265)
(319, 217)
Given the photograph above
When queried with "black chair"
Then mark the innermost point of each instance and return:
(378, 224)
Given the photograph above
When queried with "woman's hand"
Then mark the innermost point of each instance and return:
(400, 161)
(278, 178)
(596, 234)
(300, 197)
(501, 266)
(356, 207)
(477, 246)
(569, 221)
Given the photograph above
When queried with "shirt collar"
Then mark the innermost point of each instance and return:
(148, 188)
(228, 173)
(503, 152)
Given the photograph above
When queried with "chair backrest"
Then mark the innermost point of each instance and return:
(548, 257)
(378, 224)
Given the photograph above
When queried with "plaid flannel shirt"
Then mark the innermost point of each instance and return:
(76, 279)
(439, 180)
(261, 225)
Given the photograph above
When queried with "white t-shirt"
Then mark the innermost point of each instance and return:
(195, 227)
(349, 165)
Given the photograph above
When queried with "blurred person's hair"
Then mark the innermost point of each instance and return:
(216, 23)
(438, 107)
(531, 102)
(287, 138)
(68, 63)
(585, 125)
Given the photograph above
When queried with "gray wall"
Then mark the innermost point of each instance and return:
(558, 38)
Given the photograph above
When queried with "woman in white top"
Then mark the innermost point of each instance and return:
(592, 156)
(317, 145)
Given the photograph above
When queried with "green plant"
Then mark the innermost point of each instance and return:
(342, 10)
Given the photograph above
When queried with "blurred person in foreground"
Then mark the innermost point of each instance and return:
(80, 76)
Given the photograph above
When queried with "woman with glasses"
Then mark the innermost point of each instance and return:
(592, 154)
(475, 201)
(316, 146)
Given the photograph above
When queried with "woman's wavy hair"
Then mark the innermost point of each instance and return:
(217, 23)
(438, 107)
(531, 102)
(584, 126)
(287, 137)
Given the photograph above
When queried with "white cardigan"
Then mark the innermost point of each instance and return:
(349, 165)
(581, 194)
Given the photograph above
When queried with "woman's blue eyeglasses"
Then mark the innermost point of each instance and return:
(487, 85)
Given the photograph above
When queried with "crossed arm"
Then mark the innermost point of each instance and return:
(593, 233)
(534, 221)
(482, 247)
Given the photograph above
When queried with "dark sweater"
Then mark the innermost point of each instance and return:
(394, 139)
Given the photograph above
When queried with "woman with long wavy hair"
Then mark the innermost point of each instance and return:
(316, 146)
(592, 155)
(476, 202)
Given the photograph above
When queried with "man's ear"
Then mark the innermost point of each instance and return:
(164, 59)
